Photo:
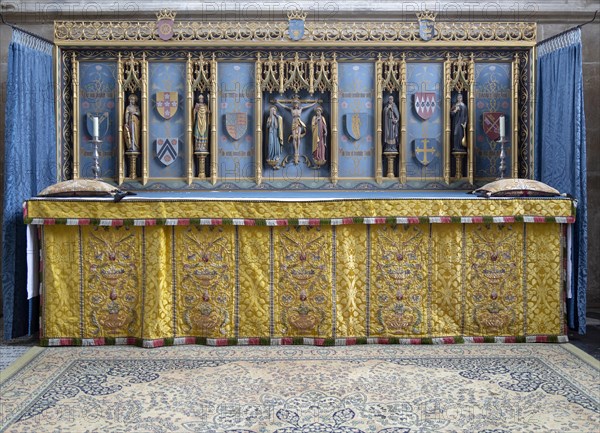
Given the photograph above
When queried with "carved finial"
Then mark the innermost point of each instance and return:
(166, 14)
(426, 15)
(296, 15)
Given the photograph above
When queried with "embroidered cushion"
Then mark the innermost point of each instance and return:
(517, 188)
(80, 188)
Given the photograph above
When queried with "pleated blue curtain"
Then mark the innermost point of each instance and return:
(30, 165)
(560, 147)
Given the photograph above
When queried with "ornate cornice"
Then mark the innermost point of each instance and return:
(318, 33)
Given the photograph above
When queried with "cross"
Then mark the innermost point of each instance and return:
(492, 123)
(425, 151)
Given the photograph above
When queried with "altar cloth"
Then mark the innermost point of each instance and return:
(278, 208)
(287, 270)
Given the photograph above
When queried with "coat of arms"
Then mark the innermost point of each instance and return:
(491, 124)
(167, 150)
(427, 25)
(426, 150)
(354, 123)
(164, 24)
(102, 124)
(425, 104)
(296, 25)
(166, 104)
(236, 124)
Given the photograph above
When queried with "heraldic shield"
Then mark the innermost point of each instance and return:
(426, 150)
(426, 29)
(102, 124)
(296, 29)
(491, 124)
(425, 104)
(167, 103)
(167, 150)
(236, 124)
(164, 27)
(354, 123)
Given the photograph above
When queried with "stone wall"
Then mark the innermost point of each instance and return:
(553, 16)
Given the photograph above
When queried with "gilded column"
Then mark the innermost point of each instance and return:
(145, 110)
(403, 115)
(378, 128)
(120, 109)
(76, 144)
(311, 74)
(189, 119)
(470, 169)
(515, 117)
(213, 119)
(282, 75)
(446, 114)
(334, 120)
(258, 139)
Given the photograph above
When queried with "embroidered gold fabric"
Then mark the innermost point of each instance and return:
(406, 281)
(111, 288)
(281, 210)
(204, 282)
(399, 280)
(302, 281)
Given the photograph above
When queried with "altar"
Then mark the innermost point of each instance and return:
(303, 268)
(298, 181)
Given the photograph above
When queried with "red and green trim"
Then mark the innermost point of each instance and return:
(298, 221)
(290, 341)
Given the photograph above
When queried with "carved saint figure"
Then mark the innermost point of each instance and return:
(275, 134)
(298, 126)
(132, 125)
(459, 115)
(391, 117)
(201, 121)
(319, 135)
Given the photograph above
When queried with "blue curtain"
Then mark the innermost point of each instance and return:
(30, 165)
(560, 147)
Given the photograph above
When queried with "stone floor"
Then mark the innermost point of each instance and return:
(11, 350)
(590, 342)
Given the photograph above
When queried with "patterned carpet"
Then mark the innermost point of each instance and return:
(301, 389)
(9, 354)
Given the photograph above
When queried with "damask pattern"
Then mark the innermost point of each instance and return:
(399, 288)
(111, 281)
(323, 285)
(196, 211)
(205, 280)
(495, 258)
(303, 281)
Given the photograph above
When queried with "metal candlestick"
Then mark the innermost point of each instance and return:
(96, 155)
(502, 157)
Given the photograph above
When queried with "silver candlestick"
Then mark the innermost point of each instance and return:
(502, 157)
(96, 142)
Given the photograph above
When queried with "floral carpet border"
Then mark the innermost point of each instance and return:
(288, 341)
(299, 221)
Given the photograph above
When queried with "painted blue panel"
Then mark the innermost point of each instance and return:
(492, 93)
(167, 77)
(97, 94)
(301, 172)
(356, 153)
(424, 77)
(236, 95)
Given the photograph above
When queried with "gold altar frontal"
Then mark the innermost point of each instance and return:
(318, 271)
